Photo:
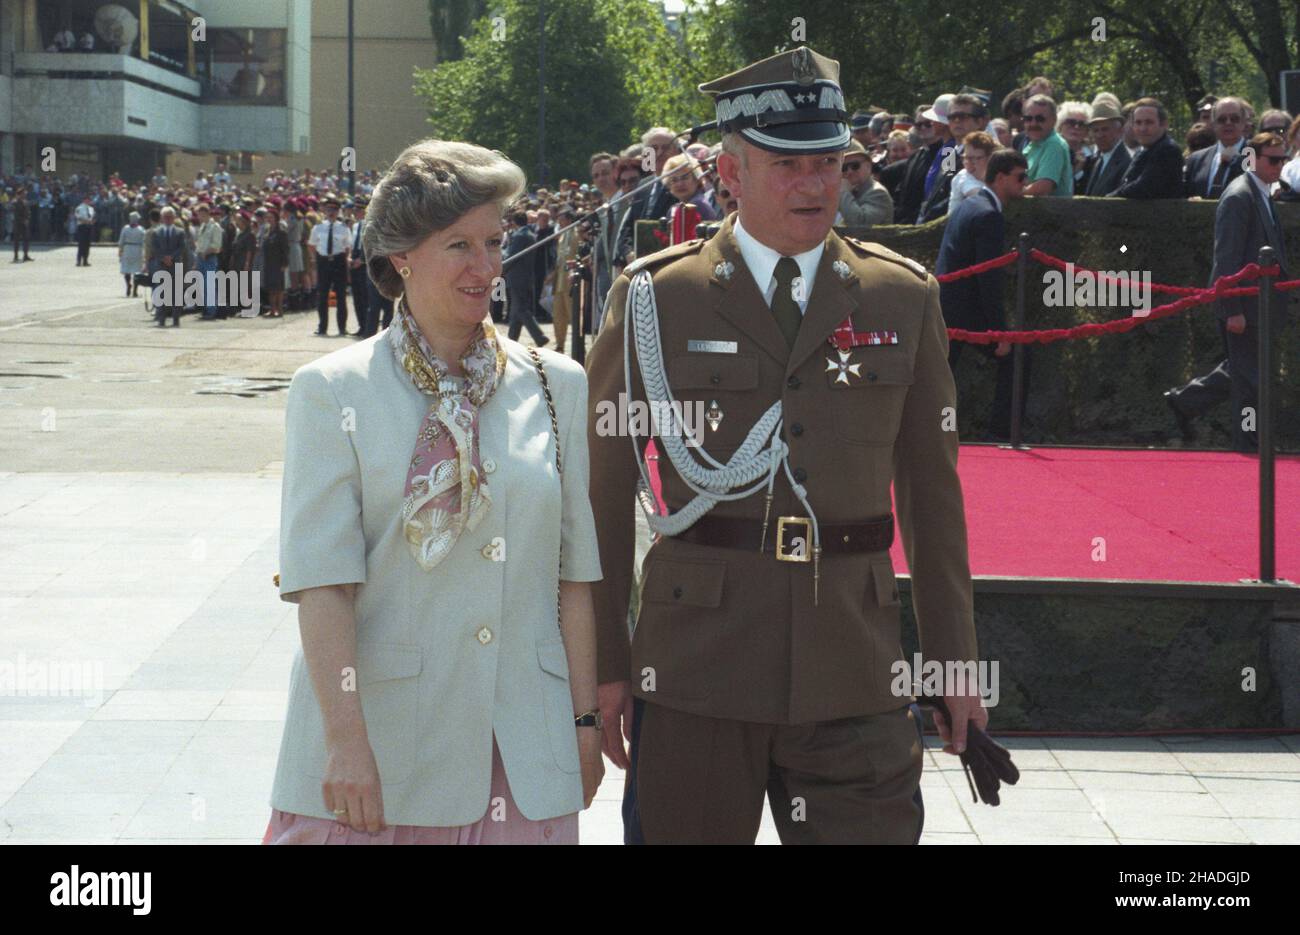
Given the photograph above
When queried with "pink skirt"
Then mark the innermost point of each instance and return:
(514, 828)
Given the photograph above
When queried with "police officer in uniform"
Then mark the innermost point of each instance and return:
(333, 242)
(761, 660)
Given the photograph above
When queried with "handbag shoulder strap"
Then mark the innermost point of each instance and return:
(550, 405)
(555, 431)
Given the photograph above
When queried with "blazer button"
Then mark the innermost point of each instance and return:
(489, 465)
(677, 592)
(793, 383)
(800, 475)
(485, 636)
(796, 429)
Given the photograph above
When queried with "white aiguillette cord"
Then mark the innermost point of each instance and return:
(758, 459)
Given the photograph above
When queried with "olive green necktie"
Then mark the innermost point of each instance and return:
(784, 306)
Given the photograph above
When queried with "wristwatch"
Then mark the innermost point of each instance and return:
(589, 719)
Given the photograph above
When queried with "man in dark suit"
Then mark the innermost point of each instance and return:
(966, 114)
(658, 198)
(1157, 169)
(167, 252)
(1244, 222)
(358, 275)
(1208, 171)
(933, 134)
(22, 223)
(1106, 169)
(521, 282)
(975, 232)
(545, 261)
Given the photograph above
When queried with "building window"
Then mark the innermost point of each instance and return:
(243, 66)
(169, 36)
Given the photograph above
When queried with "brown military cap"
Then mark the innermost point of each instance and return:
(788, 103)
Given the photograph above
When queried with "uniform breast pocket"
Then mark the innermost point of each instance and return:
(866, 403)
(708, 387)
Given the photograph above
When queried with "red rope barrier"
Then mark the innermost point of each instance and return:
(997, 261)
(1224, 287)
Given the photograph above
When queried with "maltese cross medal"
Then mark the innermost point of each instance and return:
(843, 366)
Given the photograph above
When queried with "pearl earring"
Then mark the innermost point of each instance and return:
(406, 272)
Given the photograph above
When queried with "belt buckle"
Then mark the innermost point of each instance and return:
(781, 554)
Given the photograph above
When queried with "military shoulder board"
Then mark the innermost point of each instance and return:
(885, 253)
(662, 256)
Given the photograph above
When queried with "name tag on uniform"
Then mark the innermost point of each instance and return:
(712, 347)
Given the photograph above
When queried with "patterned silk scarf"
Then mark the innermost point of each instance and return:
(445, 492)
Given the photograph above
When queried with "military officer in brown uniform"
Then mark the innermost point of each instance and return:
(761, 658)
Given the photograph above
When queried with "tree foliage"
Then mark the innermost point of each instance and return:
(614, 68)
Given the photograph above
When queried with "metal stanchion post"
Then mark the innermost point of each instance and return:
(1018, 350)
(1264, 423)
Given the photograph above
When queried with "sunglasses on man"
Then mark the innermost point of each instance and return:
(1072, 122)
(1274, 160)
(853, 166)
(1228, 118)
(962, 115)
(1036, 118)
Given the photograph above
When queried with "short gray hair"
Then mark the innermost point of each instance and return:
(734, 143)
(427, 188)
(1043, 100)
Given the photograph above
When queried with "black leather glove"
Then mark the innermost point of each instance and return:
(984, 759)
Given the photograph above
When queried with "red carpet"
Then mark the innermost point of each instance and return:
(1164, 515)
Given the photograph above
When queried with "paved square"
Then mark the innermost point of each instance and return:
(138, 537)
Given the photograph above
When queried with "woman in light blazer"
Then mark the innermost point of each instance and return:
(427, 522)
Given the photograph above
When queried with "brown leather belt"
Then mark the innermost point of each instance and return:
(874, 535)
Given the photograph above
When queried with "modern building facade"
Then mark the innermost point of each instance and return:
(391, 38)
(121, 86)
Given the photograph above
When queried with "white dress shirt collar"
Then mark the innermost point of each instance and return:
(762, 259)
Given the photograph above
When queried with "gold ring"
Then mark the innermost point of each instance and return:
(340, 811)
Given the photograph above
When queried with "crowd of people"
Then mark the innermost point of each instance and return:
(899, 168)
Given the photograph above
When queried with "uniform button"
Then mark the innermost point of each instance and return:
(800, 475)
(677, 592)
(793, 383)
(715, 378)
(796, 429)
(871, 376)
(489, 466)
(485, 636)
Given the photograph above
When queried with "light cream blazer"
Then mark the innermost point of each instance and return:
(445, 658)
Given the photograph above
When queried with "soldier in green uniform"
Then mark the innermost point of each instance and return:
(761, 660)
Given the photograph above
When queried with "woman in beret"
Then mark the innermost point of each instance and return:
(434, 513)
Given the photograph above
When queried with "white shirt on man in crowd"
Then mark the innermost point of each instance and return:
(320, 238)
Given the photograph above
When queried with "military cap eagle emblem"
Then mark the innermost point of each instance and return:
(802, 63)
